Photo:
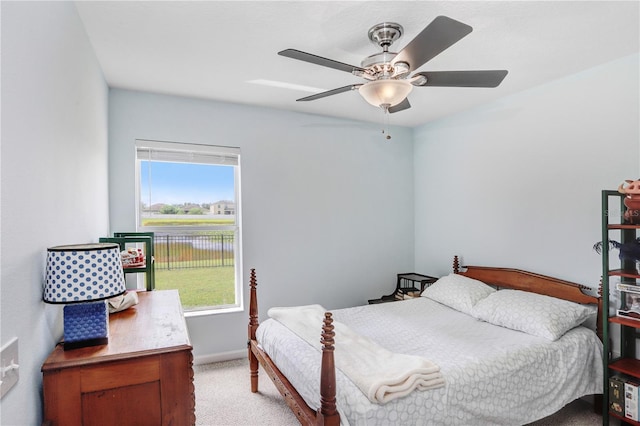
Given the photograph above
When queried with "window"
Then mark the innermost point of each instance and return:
(188, 196)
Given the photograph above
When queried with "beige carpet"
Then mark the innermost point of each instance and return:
(224, 398)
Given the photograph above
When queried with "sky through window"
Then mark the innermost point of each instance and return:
(179, 183)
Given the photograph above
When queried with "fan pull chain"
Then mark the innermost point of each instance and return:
(385, 124)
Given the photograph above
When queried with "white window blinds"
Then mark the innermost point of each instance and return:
(186, 153)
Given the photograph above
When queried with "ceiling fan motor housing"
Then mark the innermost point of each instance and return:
(379, 65)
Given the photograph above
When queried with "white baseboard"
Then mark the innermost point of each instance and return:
(224, 356)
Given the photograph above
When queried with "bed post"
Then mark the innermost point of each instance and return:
(456, 265)
(327, 414)
(597, 398)
(253, 326)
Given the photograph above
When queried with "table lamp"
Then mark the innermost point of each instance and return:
(82, 277)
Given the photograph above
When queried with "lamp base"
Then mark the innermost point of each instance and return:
(85, 343)
(86, 324)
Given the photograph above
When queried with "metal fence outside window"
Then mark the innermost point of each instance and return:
(173, 251)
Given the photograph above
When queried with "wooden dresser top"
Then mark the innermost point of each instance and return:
(155, 325)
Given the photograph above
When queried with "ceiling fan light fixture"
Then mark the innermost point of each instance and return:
(385, 92)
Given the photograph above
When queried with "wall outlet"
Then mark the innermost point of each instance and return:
(9, 366)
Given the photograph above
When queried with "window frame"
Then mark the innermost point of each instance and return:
(198, 154)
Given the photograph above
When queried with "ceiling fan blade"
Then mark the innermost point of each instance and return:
(486, 78)
(319, 60)
(438, 36)
(330, 92)
(401, 106)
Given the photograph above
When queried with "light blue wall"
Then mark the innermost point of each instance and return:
(517, 182)
(327, 204)
(54, 176)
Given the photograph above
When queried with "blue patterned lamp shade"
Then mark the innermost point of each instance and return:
(83, 276)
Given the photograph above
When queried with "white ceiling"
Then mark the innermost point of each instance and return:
(213, 49)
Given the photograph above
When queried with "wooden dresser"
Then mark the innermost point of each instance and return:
(143, 376)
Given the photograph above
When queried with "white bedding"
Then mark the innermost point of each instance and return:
(494, 375)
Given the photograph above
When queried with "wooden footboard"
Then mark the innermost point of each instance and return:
(327, 414)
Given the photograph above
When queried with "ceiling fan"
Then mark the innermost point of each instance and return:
(387, 72)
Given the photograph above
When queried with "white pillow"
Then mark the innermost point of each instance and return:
(532, 313)
(458, 292)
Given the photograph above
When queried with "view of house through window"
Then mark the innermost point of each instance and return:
(188, 196)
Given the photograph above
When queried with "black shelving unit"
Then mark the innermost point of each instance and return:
(627, 363)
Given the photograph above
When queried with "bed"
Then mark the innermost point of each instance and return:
(494, 373)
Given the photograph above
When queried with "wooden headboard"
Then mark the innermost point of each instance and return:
(528, 281)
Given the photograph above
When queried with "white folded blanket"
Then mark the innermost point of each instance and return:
(380, 374)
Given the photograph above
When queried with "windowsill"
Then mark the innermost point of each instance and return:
(207, 312)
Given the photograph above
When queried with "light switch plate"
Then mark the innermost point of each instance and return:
(9, 366)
